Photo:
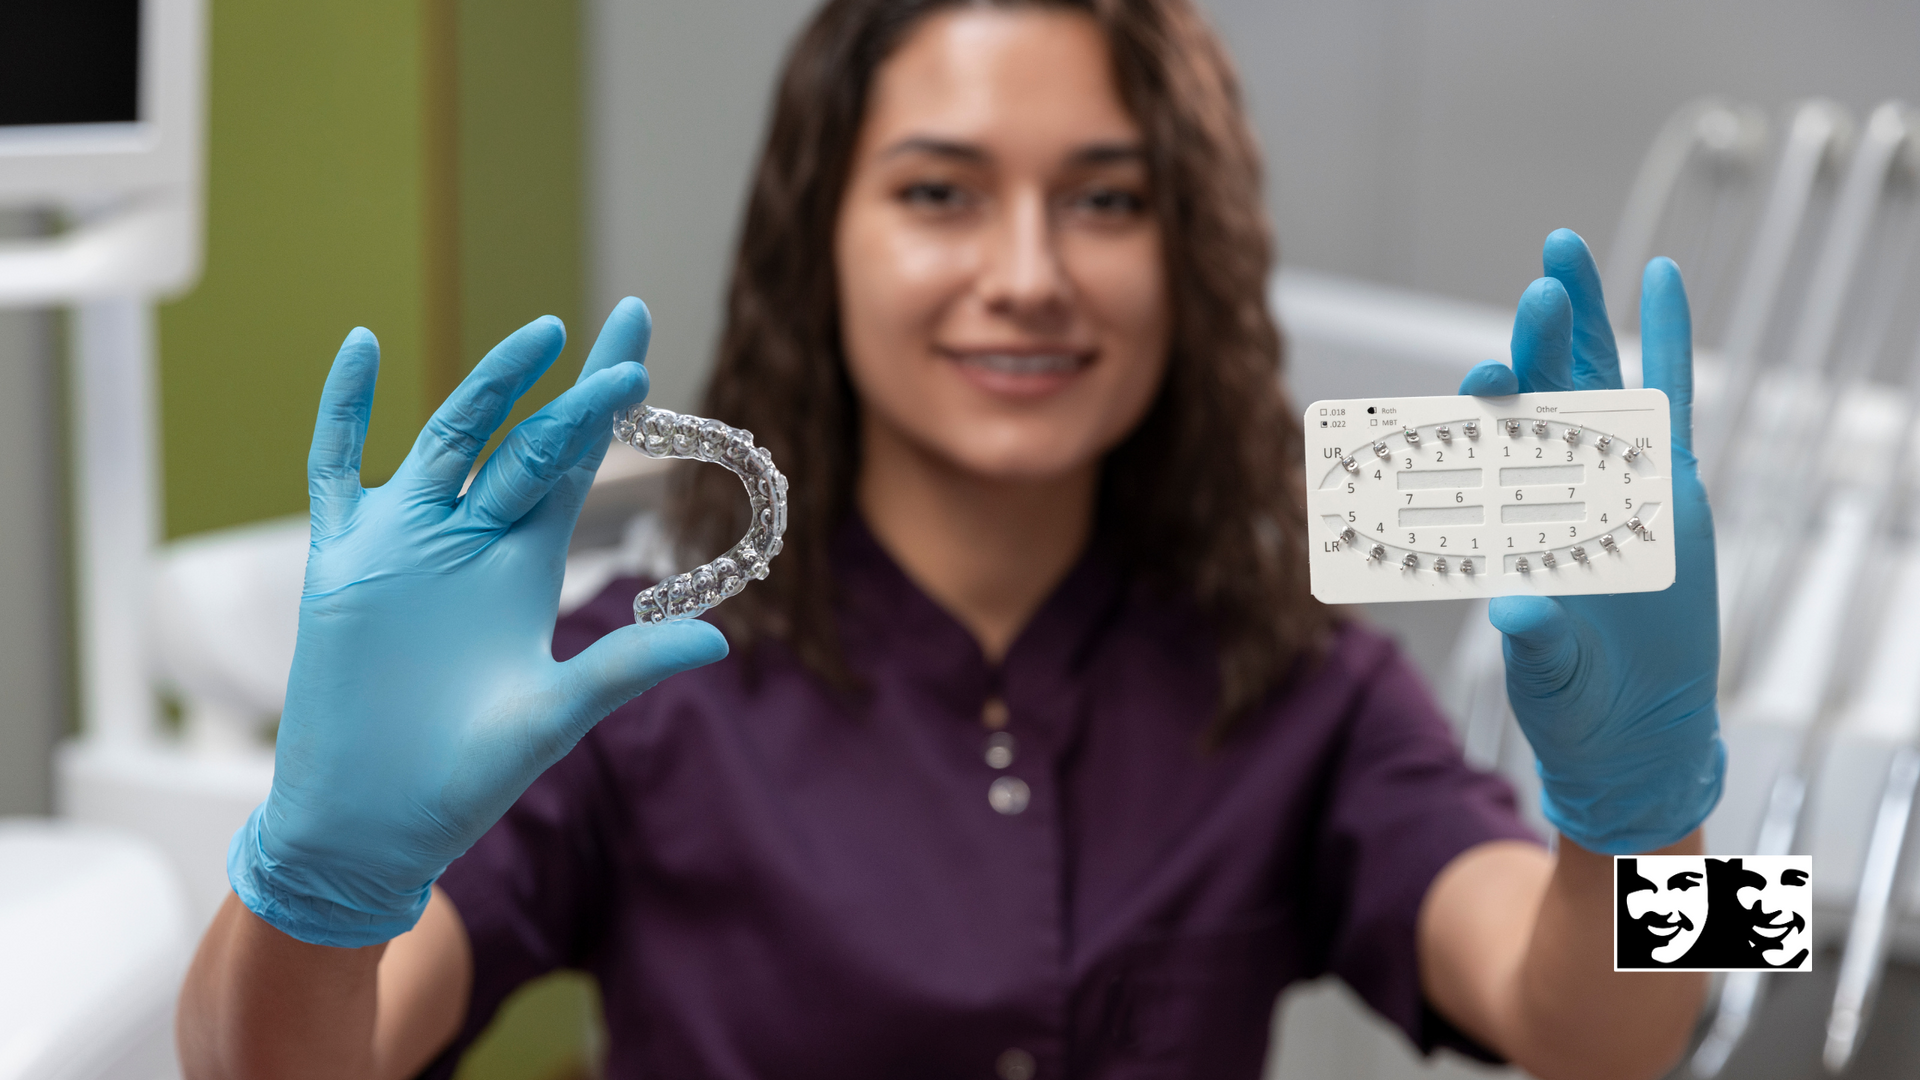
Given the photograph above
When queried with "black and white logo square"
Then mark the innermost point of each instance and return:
(1702, 913)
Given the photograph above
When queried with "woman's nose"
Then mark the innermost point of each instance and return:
(1024, 279)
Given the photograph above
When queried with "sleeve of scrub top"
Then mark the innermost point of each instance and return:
(533, 893)
(1403, 803)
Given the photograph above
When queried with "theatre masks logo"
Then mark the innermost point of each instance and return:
(1695, 913)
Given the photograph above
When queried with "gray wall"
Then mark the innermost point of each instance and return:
(1428, 143)
(677, 90)
(1433, 144)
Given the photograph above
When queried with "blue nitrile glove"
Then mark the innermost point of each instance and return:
(424, 696)
(1616, 693)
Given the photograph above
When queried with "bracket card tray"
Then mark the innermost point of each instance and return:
(1441, 498)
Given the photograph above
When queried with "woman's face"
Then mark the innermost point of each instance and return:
(1003, 303)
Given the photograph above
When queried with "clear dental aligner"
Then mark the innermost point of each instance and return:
(660, 433)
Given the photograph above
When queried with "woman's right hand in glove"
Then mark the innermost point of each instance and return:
(424, 696)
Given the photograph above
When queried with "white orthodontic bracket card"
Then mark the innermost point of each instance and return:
(1440, 498)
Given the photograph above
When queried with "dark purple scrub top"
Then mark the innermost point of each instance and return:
(771, 881)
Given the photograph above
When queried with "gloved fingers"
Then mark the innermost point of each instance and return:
(1542, 642)
(623, 337)
(550, 523)
(340, 430)
(1666, 348)
(1543, 338)
(546, 446)
(1596, 358)
(1490, 378)
(444, 453)
(620, 666)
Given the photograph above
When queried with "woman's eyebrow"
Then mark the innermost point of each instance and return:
(1103, 153)
(1109, 153)
(946, 148)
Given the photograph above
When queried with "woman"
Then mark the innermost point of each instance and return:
(1033, 757)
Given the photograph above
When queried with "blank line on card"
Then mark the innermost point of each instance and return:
(1519, 513)
(1544, 474)
(1428, 479)
(1411, 516)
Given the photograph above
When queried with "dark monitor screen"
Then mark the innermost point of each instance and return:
(69, 61)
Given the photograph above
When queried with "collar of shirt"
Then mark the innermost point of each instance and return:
(888, 623)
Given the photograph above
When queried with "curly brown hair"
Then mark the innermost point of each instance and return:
(1202, 499)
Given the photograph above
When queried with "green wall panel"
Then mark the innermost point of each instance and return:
(521, 162)
(415, 168)
(548, 1030)
(314, 225)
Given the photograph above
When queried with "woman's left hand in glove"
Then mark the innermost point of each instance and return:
(1617, 692)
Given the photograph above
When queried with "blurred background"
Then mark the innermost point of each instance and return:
(443, 171)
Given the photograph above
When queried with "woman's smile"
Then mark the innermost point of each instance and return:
(1019, 371)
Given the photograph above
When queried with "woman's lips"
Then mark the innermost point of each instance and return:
(1019, 373)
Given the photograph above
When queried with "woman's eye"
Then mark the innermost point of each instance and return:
(1110, 202)
(933, 194)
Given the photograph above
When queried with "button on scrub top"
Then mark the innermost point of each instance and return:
(770, 878)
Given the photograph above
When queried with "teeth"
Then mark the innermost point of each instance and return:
(1024, 363)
